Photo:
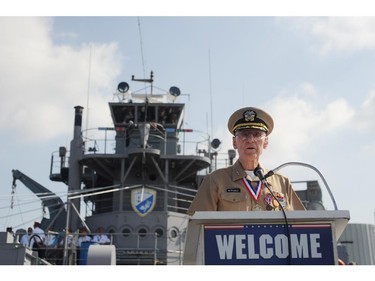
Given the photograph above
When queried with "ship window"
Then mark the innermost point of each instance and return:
(142, 232)
(123, 114)
(151, 114)
(129, 115)
(159, 232)
(126, 232)
(163, 114)
(173, 233)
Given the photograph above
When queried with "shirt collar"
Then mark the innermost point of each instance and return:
(238, 172)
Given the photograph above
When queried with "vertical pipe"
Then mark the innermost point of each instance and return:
(75, 169)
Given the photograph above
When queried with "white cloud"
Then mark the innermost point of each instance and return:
(308, 89)
(299, 122)
(365, 117)
(339, 33)
(42, 81)
(346, 33)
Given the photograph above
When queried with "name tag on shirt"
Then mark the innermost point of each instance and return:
(233, 190)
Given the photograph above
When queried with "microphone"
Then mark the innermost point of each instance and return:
(258, 171)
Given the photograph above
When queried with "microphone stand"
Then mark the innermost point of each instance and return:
(270, 173)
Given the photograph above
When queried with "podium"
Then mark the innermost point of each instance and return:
(264, 238)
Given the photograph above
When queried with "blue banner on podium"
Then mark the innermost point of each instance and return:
(267, 244)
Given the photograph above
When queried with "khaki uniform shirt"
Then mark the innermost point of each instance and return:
(225, 190)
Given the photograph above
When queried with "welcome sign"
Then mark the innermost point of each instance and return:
(268, 244)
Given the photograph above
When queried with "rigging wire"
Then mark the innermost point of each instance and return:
(210, 85)
(13, 193)
(20, 201)
(141, 46)
(88, 93)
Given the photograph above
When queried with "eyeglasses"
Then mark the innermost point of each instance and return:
(254, 134)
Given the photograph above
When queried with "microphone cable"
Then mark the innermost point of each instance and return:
(258, 171)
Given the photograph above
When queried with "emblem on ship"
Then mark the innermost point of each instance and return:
(143, 200)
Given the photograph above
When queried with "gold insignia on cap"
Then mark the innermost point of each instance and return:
(249, 115)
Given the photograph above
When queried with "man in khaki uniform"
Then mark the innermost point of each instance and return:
(236, 188)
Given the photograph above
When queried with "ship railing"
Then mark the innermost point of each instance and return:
(146, 252)
(181, 197)
(142, 250)
(143, 253)
(103, 141)
(190, 142)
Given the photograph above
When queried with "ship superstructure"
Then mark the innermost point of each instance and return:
(139, 186)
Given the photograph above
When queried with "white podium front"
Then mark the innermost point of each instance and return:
(264, 238)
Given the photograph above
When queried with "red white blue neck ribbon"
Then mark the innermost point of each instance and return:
(253, 191)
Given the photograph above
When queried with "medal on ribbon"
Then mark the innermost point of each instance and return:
(269, 202)
(253, 191)
(274, 203)
(280, 199)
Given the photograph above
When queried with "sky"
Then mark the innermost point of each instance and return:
(315, 75)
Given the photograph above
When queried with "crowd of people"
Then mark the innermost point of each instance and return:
(51, 244)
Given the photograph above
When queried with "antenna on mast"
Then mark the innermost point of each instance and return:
(146, 80)
(88, 94)
(141, 45)
(209, 74)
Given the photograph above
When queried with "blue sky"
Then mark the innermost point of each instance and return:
(314, 75)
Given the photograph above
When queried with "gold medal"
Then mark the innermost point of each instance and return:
(275, 203)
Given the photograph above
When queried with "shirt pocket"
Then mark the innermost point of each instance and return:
(235, 201)
(234, 197)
